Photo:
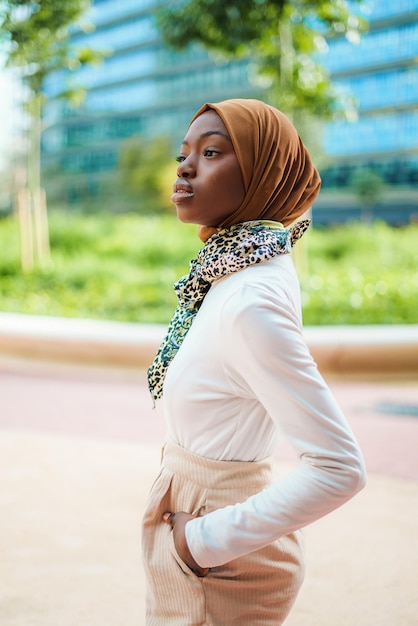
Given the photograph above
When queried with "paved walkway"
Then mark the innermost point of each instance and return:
(79, 448)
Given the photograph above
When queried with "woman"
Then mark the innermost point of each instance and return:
(221, 536)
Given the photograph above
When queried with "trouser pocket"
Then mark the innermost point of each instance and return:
(174, 594)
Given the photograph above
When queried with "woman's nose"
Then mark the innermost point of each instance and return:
(186, 168)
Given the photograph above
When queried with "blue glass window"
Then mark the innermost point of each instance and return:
(105, 10)
(118, 36)
(376, 9)
(375, 48)
(383, 89)
(395, 131)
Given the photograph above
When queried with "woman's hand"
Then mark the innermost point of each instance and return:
(178, 521)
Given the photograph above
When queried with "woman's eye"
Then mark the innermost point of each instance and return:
(209, 153)
(180, 159)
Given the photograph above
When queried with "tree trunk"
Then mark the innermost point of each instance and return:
(32, 201)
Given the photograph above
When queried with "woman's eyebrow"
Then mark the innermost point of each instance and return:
(215, 132)
(207, 134)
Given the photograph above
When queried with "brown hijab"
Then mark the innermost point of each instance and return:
(280, 181)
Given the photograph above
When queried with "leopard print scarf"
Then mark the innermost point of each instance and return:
(231, 250)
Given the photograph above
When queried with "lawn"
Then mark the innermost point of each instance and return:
(122, 268)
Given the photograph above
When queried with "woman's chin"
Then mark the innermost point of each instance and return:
(185, 216)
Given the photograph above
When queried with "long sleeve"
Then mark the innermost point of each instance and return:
(265, 357)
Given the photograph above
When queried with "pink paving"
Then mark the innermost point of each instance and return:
(115, 404)
(73, 488)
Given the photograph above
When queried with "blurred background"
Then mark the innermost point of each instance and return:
(96, 97)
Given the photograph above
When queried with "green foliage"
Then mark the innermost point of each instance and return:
(368, 186)
(146, 171)
(104, 267)
(283, 38)
(123, 267)
(361, 274)
(35, 37)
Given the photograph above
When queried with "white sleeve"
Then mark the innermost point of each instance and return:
(265, 356)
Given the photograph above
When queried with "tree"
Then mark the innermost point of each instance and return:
(146, 172)
(283, 38)
(35, 38)
(368, 187)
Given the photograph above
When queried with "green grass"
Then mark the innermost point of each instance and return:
(361, 274)
(123, 267)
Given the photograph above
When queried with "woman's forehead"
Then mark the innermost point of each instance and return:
(206, 122)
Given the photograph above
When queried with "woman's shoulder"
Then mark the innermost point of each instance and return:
(277, 275)
(272, 285)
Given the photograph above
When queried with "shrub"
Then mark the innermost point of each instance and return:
(123, 267)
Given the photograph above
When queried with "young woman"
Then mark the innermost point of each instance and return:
(221, 535)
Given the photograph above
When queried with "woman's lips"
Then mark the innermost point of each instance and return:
(181, 195)
(182, 191)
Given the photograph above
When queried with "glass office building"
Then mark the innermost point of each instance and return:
(143, 87)
(381, 72)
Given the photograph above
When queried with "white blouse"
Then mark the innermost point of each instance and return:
(242, 380)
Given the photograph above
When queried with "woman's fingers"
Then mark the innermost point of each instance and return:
(168, 518)
(178, 521)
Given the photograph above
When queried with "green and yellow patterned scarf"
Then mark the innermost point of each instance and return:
(230, 250)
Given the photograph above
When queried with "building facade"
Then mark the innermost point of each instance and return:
(144, 87)
(381, 72)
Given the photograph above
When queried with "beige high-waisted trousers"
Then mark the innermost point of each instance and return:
(258, 589)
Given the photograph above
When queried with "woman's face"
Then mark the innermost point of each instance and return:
(209, 186)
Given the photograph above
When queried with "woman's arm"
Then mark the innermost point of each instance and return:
(266, 357)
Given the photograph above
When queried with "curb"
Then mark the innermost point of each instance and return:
(338, 350)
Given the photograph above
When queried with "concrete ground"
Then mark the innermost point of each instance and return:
(79, 448)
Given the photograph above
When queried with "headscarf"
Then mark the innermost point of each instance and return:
(280, 185)
(280, 180)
